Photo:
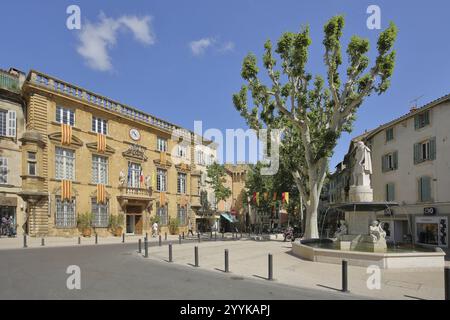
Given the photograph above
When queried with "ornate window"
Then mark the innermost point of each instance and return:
(99, 169)
(162, 213)
(181, 183)
(65, 213)
(100, 214)
(134, 175)
(99, 125)
(161, 180)
(7, 123)
(65, 115)
(161, 144)
(181, 215)
(65, 164)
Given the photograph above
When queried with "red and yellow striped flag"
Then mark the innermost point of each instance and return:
(66, 134)
(162, 199)
(66, 189)
(101, 193)
(101, 142)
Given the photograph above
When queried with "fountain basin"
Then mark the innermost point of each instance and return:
(394, 259)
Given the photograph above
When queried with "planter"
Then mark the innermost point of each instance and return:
(86, 232)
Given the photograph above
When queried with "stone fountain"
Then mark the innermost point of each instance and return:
(360, 239)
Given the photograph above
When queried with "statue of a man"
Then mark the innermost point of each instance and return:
(376, 231)
(363, 164)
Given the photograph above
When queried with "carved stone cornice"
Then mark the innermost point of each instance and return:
(135, 152)
(56, 139)
(92, 146)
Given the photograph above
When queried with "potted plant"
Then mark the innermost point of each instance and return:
(116, 224)
(173, 226)
(84, 223)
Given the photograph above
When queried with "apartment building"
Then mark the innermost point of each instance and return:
(95, 155)
(12, 124)
(411, 166)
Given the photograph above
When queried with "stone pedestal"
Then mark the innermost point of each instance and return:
(361, 193)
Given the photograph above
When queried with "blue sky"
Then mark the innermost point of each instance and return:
(161, 74)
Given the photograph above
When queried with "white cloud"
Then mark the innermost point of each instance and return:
(96, 39)
(199, 47)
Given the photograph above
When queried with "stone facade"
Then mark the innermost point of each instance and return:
(138, 147)
(12, 127)
(410, 158)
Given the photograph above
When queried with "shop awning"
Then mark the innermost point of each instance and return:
(229, 217)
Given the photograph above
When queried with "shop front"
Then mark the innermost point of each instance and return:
(8, 208)
(432, 230)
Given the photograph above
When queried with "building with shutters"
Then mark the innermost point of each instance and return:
(96, 155)
(12, 124)
(411, 166)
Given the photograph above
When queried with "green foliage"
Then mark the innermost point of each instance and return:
(116, 221)
(216, 178)
(85, 220)
(173, 226)
(154, 219)
(312, 112)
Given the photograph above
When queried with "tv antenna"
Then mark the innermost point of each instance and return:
(415, 101)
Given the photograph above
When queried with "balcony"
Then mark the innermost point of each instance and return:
(131, 195)
(9, 82)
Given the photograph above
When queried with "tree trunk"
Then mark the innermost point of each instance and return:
(312, 229)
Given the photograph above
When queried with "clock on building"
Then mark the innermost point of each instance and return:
(135, 135)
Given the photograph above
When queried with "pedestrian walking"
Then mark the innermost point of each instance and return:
(155, 229)
(190, 228)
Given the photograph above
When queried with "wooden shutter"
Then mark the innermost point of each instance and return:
(395, 159)
(390, 192)
(416, 153)
(416, 121)
(433, 148)
(11, 124)
(426, 118)
(425, 189)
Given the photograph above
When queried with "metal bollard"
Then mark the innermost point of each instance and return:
(210, 236)
(146, 248)
(198, 235)
(170, 253)
(270, 267)
(123, 237)
(223, 235)
(447, 282)
(160, 241)
(165, 235)
(139, 245)
(183, 234)
(79, 240)
(344, 276)
(227, 269)
(241, 235)
(196, 256)
(96, 238)
(42, 242)
(179, 238)
(215, 235)
(25, 241)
